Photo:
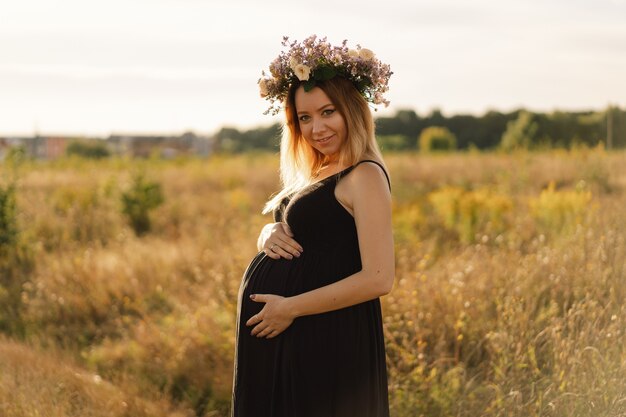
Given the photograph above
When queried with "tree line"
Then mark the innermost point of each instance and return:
(492, 130)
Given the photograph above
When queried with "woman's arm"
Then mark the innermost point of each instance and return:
(368, 196)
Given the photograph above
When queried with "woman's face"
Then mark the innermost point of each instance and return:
(321, 124)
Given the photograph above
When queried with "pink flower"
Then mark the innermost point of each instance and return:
(366, 54)
(263, 87)
(293, 62)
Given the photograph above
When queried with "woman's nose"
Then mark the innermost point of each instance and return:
(318, 125)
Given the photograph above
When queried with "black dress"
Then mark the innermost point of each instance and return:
(322, 365)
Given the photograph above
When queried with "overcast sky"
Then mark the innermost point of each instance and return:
(166, 66)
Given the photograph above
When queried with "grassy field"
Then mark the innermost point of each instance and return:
(508, 299)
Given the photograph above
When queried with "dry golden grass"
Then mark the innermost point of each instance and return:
(37, 384)
(507, 302)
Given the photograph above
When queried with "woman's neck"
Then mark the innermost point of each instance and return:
(329, 164)
(328, 168)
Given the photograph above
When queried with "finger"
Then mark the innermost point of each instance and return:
(271, 254)
(278, 250)
(274, 333)
(275, 245)
(265, 332)
(289, 245)
(259, 298)
(290, 235)
(259, 328)
(253, 320)
(282, 252)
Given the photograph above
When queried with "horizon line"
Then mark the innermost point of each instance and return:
(148, 132)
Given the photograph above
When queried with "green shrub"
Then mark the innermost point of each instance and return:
(93, 149)
(142, 197)
(436, 138)
(15, 263)
(393, 142)
(557, 210)
(8, 218)
(470, 212)
(520, 133)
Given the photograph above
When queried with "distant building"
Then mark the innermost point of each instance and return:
(55, 147)
(162, 146)
(52, 147)
(144, 146)
(200, 145)
(39, 147)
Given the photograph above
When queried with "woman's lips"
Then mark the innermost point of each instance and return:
(324, 140)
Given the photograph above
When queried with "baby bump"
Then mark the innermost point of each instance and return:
(264, 275)
(288, 277)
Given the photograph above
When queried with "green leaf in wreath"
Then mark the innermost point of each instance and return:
(325, 73)
(309, 84)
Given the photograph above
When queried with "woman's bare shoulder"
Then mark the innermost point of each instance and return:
(368, 173)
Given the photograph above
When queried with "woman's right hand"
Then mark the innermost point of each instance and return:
(276, 240)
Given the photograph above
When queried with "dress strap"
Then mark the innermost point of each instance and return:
(381, 167)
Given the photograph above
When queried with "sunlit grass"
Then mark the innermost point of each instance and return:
(508, 296)
(33, 383)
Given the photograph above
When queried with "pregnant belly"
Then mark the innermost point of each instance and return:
(267, 276)
(288, 277)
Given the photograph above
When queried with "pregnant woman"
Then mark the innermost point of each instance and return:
(309, 328)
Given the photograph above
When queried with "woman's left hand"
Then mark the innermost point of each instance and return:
(273, 319)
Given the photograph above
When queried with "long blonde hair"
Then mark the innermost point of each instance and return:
(299, 161)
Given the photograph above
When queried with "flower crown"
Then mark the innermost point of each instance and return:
(316, 60)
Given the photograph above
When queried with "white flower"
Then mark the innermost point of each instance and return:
(353, 53)
(366, 54)
(263, 87)
(302, 72)
(293, 62)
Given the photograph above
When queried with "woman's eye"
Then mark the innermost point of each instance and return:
(304, 118)
(328, 112)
